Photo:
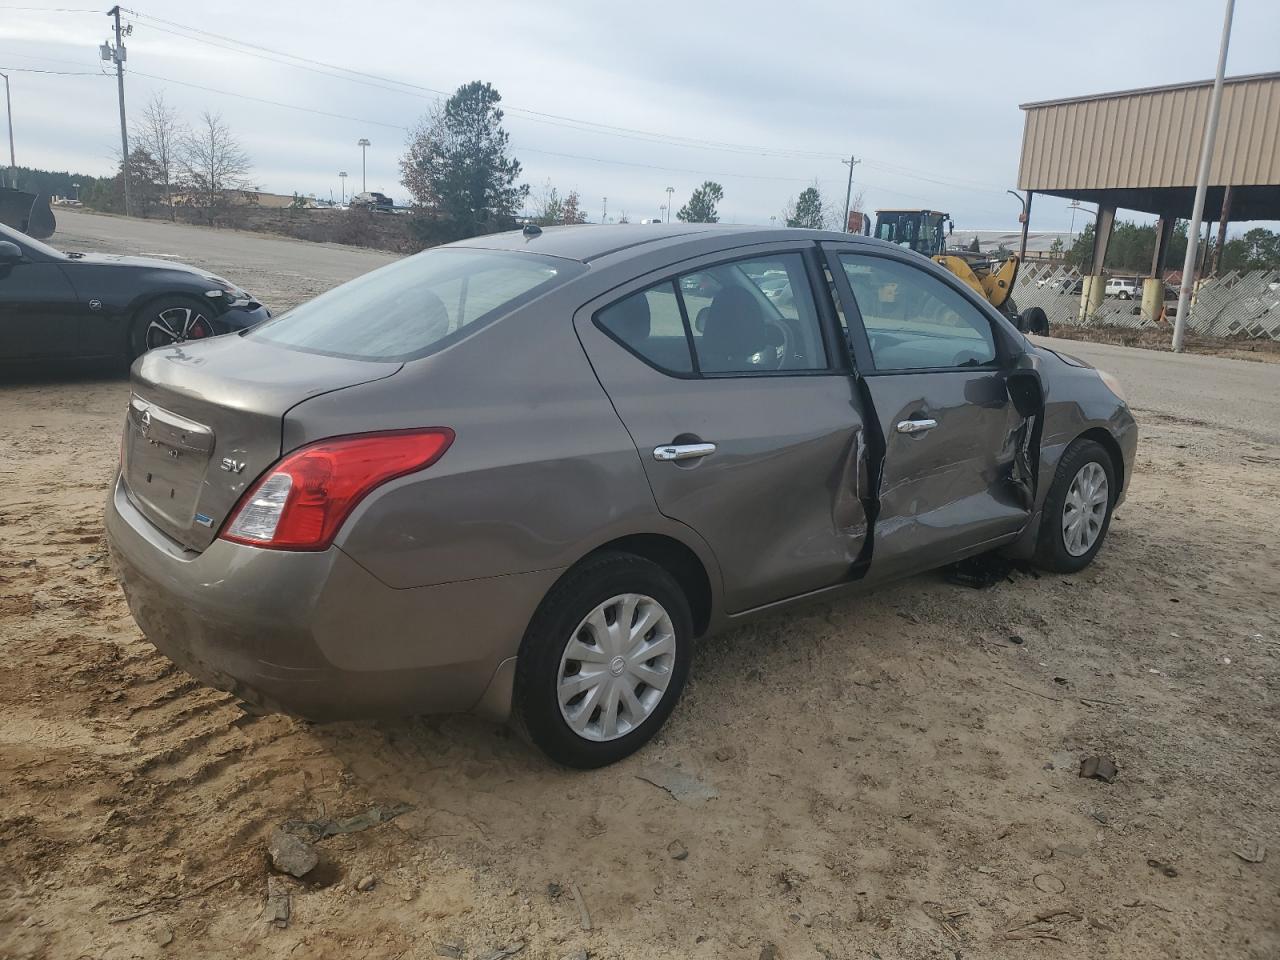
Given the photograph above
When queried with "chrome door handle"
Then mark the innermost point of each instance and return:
(683, 451)
(916, 426)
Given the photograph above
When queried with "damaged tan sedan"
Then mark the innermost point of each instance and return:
(522, 474)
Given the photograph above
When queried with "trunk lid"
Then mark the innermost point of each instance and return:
(205, 420)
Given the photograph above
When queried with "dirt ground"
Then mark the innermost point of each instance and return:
(891, 776)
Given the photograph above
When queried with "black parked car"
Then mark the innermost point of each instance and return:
(55, 304)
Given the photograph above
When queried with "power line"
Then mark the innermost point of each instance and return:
(27, 56)
(60, 73)
(273, 103)
(409, 88)
(538, 116)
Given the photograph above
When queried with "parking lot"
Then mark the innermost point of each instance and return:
(893, 776)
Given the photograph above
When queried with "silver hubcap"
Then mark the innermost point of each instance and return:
(176, 325)
(616, 667)
(1085, 509)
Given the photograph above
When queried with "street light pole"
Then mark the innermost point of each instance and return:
(670, 191)
(363, 144)
(1202, 184)
(8, 110)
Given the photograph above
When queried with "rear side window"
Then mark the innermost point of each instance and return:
(746, 317)
(417, 305)
(649, 324)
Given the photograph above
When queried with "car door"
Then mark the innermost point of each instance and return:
(744, 415)
(39, 309)
(957, 474)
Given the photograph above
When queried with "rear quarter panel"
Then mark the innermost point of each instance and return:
(541, 470)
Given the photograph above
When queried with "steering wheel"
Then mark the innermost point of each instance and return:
(779, 353)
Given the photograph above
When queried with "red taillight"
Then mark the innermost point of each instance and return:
(301, 502)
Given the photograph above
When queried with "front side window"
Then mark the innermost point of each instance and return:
(915, 321)
(416, 305)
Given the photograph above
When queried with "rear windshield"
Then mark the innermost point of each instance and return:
(417, 305)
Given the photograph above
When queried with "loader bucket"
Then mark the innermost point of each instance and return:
(28, 212)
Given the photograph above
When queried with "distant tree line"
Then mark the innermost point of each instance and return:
(1133, 246)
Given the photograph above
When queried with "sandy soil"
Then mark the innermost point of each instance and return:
(888, 777)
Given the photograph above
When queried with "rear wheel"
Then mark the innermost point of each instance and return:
(603, 661)
(1077, 510)
(169, 320)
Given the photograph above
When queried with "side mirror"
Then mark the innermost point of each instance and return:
(10, 252)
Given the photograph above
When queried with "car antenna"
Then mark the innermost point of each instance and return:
(532, 230)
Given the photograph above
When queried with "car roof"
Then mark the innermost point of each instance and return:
(592, 241)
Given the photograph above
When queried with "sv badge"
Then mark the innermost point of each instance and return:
(232, 466)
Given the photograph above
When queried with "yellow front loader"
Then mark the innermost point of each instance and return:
(926, 232)
(994, 285)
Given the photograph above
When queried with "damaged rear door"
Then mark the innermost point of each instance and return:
(747, 425)
(959, 420)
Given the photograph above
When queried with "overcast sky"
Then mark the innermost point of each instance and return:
(926, 94)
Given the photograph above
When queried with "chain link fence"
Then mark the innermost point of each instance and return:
(1231, 305)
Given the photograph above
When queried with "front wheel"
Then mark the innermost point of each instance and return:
(167, 321)
(603, 661)
(1077, 510)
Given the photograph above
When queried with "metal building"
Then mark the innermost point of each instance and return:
(1139, 150)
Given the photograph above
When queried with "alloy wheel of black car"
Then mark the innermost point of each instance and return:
(170, 321)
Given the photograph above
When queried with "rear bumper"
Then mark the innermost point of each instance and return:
(315, 634)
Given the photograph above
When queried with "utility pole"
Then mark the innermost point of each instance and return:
(118, 55)
(604, 210)
(342, 175)
(848, 192)
(8, 110)
(1202, 185)
(364, 145)
(670, 191)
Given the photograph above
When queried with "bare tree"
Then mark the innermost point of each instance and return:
(161, 134)
(212, 161)
(548, 209)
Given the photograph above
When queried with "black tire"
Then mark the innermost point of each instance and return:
(1051, 548)
(536, 709)
(1125, 295)
(142, 332)
(1034, 320)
